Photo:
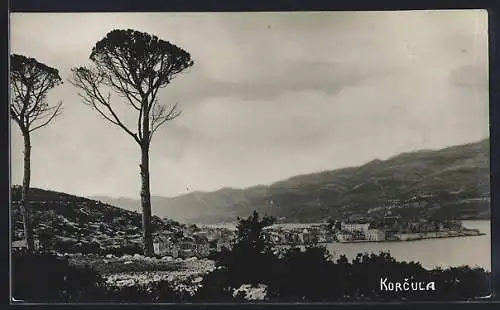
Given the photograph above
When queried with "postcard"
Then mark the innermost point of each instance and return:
(339, 156)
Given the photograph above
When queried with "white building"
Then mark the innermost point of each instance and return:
(355, 226)
(375, 235)
(156, 248)
(164, 246)
(322, 237)
(223, 244)
(19, 244)
(343, 237)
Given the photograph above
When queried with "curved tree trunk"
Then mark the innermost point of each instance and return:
(25, 209)
(146, 203)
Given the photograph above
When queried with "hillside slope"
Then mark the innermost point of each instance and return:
(448, 183)
(73, 223)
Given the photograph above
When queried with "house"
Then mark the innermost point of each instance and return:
(408, 237)
(274, 236)
(201, 234)
(355, 226)
(390, 219)
(156, 247)
(322, 237)
(201, 246)
(292, 237)
(359, 235)
(165, 246)
(189, 247)
(186, 248)
(174, 252)
(202, 249)
(307, 237)
(375, 235)
(223, 244)
(344, 236)
(214, 234)
(301, 238)
(21, 244)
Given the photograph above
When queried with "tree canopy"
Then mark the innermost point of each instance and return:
(135, 65)
(30, 81)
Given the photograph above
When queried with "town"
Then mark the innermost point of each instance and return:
(104, 229)
(201, 242)
(192, 242)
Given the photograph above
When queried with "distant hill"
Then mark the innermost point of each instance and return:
(73, 223)
(450, 183)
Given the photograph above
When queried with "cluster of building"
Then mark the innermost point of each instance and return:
(305, 234)
(393, 228)
(360, 230)
(21, 244)
(199, 243)
(388, 228)
(342, 231)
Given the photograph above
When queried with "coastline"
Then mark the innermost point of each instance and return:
(389, 241)
(412, 239)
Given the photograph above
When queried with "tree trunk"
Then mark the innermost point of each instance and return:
(25, 209)
(146, 203)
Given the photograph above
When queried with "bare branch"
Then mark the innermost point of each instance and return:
(160, 117)
(124, 91)
(89, 83)
(15, 115)
(52, 116)
(42, 112)
(14, 112)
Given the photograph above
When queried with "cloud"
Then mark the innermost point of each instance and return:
(287, 76)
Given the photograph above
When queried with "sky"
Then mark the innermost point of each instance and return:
(270, 96)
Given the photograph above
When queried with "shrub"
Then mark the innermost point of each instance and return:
(43, 277)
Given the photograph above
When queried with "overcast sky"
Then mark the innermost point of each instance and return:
(271, 95)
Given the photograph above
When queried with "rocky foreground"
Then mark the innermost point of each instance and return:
(185, 275)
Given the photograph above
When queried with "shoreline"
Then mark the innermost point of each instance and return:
(410, 240)
(382, 241)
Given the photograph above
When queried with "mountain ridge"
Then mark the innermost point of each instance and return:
(350, 190)
(373, 161)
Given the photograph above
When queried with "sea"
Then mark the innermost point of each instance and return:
(474, 251)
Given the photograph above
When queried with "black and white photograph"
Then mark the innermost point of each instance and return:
(250, 157)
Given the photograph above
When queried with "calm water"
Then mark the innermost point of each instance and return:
(444, 252)
(431, 253)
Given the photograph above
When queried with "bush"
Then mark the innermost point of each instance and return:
(312, 275)
(216, 287)
(43, 277)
